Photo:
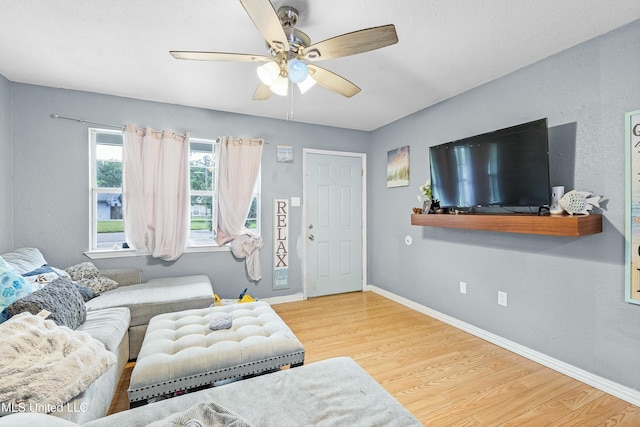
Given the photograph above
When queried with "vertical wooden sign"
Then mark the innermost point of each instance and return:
(281, 243)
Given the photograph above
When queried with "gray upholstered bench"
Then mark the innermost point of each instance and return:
(181, 352)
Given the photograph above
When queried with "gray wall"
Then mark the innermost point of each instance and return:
(565, 295)
(52, 178)
(6, 181)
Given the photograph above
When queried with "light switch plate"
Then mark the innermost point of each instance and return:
(295, 201)
(502, 298)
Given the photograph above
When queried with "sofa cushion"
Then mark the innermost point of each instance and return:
(124, 276)
(61, 298)
(157, 296)
(107, 326)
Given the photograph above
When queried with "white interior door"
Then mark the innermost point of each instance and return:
(334, 222)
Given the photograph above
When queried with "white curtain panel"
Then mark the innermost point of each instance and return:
(238, 163)
(156, 191)
(238, 167)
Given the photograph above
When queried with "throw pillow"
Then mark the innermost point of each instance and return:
(60, 298)
(12, 287)
(84, 270)
(42, 276)
(25, 259)
(87, 293)
(87, 275)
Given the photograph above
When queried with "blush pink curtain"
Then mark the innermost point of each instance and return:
(156, 191)
(238, 167)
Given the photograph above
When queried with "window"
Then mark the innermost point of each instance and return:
(107, 227)
(106, 189)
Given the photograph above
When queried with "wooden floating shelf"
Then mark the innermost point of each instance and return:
(551, 225)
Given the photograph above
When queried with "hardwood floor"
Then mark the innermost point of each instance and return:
(444, 376)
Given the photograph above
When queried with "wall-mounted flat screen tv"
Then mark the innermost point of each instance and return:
(508, 168)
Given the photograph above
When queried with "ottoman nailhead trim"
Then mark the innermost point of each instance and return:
(298, 358)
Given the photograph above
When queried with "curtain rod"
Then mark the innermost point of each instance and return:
(266, 141)
(58, 116)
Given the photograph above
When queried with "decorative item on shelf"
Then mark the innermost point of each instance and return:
(426, 197)
(579, 202)
(426, 206)
(556, 194)
(417, 210)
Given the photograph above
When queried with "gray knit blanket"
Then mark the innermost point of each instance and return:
(43, 365)
(203, 415)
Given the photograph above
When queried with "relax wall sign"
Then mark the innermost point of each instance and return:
(280, 243)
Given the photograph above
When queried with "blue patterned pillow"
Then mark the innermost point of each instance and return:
(12, 287)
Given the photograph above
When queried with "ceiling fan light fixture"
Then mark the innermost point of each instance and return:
(280, 86)
(268, 73)
(297, 70)
(306, 84)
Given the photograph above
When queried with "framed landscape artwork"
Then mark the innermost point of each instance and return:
(284, 153)
(398, 167)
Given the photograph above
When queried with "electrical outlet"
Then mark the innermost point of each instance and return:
(463, 287)
(502, 298)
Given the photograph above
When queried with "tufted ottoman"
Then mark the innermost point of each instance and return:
(181, 352)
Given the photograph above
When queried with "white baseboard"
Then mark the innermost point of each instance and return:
(283, 299)
(618, 390)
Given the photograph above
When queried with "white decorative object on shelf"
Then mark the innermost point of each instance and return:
(579, 202)
(556, 194)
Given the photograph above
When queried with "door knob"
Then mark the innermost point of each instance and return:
(311, 237)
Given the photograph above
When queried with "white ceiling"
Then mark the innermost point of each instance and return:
(120, 47)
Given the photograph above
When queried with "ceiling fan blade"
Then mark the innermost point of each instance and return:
(352, 43)
(218, 56)
(332, 81)
(266, 19)
(262, 93)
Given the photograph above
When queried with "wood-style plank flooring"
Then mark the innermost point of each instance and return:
(442, 375)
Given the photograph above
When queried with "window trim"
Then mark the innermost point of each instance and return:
(98, 253)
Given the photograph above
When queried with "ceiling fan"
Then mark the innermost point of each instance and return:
(291, 53)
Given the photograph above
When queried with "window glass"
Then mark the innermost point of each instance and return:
(202, 176)
(106, 190)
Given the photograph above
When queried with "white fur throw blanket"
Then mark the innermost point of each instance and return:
(44, 365)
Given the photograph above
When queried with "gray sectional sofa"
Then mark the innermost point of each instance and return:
(118, 318)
